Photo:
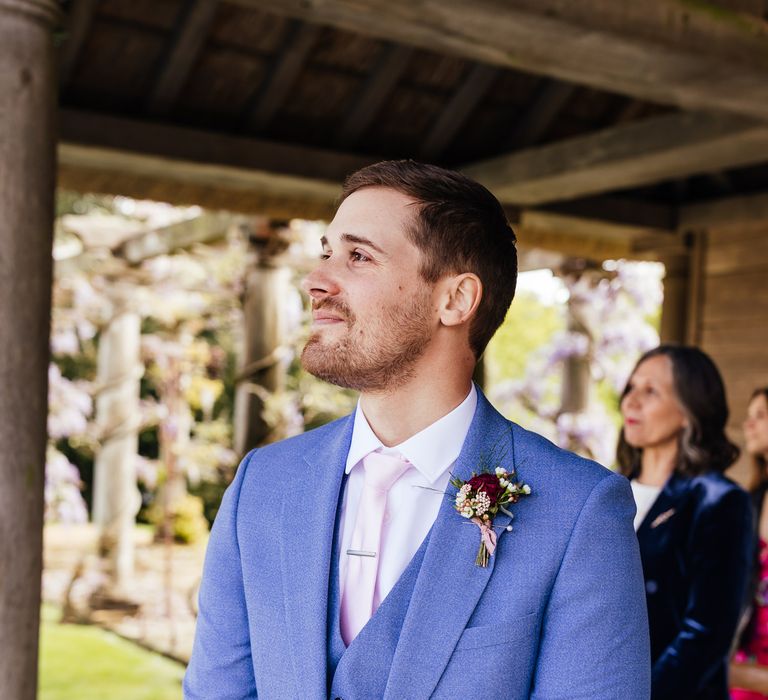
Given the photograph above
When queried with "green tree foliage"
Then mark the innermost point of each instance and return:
(529, 325)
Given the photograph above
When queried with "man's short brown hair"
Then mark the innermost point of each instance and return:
(460, 227)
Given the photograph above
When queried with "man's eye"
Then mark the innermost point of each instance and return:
(359, 256)
(324, 255)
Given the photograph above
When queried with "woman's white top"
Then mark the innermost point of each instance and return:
(645, 497)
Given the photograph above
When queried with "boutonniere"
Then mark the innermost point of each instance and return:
(481, 498)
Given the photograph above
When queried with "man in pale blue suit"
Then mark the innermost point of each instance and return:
(418, 271)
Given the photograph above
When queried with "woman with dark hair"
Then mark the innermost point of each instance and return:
(749, 670)
(693, 524)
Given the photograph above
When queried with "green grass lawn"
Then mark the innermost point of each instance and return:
(79, 662)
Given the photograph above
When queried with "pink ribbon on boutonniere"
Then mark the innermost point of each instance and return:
(487, 534)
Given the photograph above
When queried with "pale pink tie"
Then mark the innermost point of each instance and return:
(358, 600)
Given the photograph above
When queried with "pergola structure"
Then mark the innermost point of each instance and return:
(606, 128)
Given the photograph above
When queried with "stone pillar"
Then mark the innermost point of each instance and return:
(27, 174)
(116, 498)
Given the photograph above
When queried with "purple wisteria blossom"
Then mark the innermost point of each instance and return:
(69, 405)
(63, 500)
(608, 327)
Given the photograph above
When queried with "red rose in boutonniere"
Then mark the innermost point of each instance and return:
(488, 483)
(481, 498)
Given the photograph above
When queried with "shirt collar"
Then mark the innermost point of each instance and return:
(431, 451)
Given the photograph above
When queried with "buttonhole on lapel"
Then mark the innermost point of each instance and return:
(662, 518)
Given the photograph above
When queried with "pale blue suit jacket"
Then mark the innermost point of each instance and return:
(559, 613)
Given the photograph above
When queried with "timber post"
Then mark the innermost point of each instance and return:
(263, 372)
(27, 154)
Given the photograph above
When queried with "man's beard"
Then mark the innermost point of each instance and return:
(379, 356)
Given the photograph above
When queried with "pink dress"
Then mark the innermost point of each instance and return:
(756, 650)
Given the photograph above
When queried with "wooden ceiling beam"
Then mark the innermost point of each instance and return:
(282, 76)
(205, 147)
(597, 227)
(574, 244)
(649, 151)
(390, 68)
(194, 25)
(191, 166)
(77, 25)
(453, 116)
(623, 215)
(729, 211)
(680, 53)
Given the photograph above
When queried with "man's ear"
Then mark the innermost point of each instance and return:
(460, 299)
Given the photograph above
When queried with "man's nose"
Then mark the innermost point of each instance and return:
(320, 283)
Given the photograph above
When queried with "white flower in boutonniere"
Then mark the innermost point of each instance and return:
(481, 498)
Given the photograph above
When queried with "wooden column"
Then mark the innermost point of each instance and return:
(577, 378)
(579, 274)
(674, 308)
(263, 368)
(682, 306)
(27, 138)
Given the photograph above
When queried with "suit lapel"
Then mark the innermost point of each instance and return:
(309, 517)
(449, 583)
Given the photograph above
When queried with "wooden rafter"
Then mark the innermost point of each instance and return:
(392, 63)
(77, 25)
(653, 150)
(628, 112)
(194, 24)
(452, 117)
(549, 99)
(680, 53)
(282, 75)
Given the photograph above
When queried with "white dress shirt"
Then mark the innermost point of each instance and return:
(415, 498)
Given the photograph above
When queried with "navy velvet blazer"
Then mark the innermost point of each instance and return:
(697, 550)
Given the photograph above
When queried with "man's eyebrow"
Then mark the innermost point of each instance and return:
(352, 238)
